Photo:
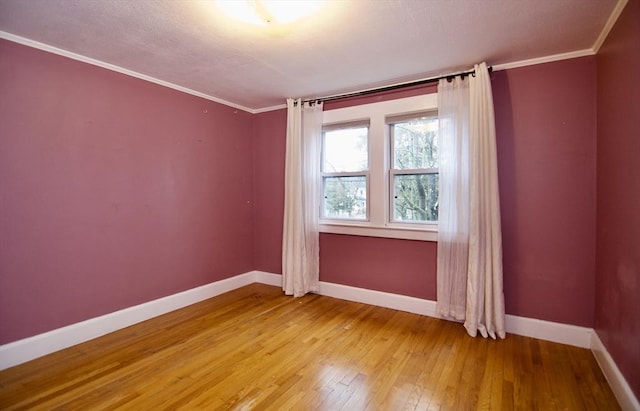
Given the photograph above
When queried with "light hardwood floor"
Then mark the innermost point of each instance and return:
(254, 348)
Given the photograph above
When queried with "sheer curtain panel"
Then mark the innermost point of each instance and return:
(453, 209)
(469, 265)
(300, 242)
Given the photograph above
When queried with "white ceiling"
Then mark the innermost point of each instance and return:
(351, 45)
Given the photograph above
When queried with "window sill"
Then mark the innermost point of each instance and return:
(400, 232)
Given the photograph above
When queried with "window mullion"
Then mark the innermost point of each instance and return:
(346, 174)
(406, 171)
(377, 170)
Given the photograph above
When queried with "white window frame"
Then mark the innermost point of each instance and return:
(379, 223)
(361, 173)
(391, 120)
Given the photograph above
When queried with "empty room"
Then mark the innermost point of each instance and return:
(319, 204)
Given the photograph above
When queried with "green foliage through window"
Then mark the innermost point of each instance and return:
(345, 197)
(415, 173)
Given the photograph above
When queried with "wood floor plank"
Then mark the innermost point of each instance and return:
(256, 349)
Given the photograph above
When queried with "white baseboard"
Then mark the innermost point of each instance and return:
(269, 278)
(528, 327)
(582, 337)
(379, 298)
(617, 382)
(39, 345)
(549, 331)
(21, 351)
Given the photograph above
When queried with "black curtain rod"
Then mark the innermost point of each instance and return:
(449, 78)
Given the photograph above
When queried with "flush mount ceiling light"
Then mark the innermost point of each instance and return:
(264, 12)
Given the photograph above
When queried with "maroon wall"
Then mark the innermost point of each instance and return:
(545, 131)
(617, 313)
(395, 266)
(545, 118)
(114, 191)
(268, 194)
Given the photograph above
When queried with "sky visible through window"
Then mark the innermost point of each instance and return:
(346, 150)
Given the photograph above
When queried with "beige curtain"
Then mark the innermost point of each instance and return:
(300, 241)
(485, 298)
(469, 273)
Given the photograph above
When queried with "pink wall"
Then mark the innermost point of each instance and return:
(617, 313)
(268, 193)
(114, 191)
(383, 264)
(545, 126)
(545, 117)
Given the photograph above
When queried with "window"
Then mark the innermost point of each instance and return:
(380, 169)
(414, 167)
(345, 171)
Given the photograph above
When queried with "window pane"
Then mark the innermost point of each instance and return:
(415, 144)
(345, 150)
(415, 197)
(345, 197)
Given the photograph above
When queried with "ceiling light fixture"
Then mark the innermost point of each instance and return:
(264, 12)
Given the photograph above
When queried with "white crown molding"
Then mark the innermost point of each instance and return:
(615, 14)
(61, 52)
(545, 59)
(272, 108)
(496, 67)
(55, 50)
(617, 382)
(504, 66)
